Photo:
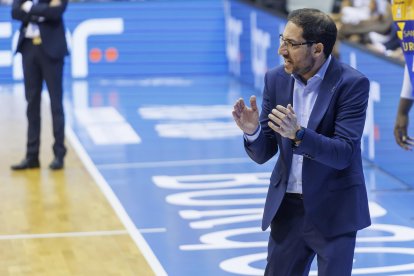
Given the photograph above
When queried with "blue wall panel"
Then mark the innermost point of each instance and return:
(156, 38)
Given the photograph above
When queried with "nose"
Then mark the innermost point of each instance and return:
(282, 50)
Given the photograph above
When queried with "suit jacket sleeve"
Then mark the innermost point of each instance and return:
(39, 10)
(265, 146)
(338, 151)
(18, 13)
(52, 13)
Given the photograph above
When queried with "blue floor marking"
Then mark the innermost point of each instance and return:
(205, 193)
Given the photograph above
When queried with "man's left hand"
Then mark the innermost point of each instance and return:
(283, 121)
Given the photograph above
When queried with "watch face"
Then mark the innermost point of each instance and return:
(300, 133)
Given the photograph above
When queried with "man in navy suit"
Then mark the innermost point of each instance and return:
(42, 43)
(313, 114)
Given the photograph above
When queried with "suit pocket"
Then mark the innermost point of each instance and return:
(346, 182)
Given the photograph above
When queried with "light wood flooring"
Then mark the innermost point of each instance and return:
(55, 222)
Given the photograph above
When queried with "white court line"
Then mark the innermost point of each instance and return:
(152, 230)
(116, 204)
(78, 234)
(178, 163)
(63, 235)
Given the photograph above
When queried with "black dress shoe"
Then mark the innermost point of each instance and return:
(28, 163)
(56, 164)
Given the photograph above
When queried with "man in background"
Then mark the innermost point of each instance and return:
(403, 15)
(42, 44)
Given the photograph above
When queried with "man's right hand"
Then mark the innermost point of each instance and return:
(401, 125)
(55, 3)
(247, 119)
(400, 132)
(27, 6)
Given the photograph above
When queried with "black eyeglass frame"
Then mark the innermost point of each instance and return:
(287, 42)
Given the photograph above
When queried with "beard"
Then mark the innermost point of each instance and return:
(300, 68)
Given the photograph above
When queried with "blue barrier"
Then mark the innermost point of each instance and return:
(132, 39)
(194, 38)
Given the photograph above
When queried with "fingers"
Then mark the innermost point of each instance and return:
(236, 116)
(278, 118)
(402, 139)
(283, 121)
(398, 136)
(409, 140)
(239, 106)
(253, 103)
(55, 3)
(290, 108)
(275, 127)
(283, 130)
(285, 110)
(282, 115)
(247, 119)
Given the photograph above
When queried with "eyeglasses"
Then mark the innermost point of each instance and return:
(292, 45)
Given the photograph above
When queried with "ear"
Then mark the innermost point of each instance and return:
(318, 49)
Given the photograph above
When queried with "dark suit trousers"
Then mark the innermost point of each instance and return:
(294, 241)
(39, 67)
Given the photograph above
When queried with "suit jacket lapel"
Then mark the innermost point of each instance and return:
(326, 91)
(284, 98)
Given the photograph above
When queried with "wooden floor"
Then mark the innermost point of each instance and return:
(55, 223)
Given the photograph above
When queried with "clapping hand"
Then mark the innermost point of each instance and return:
(246, 118)
(283, 121)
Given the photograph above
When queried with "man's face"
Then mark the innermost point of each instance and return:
(298, 58)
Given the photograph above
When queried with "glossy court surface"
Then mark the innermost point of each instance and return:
(157, 180)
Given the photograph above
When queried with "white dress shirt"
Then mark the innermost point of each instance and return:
(304, 98)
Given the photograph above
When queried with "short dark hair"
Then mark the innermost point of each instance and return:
(317, 26)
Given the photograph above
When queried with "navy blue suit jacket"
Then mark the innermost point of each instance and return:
(335, 197)
(52, 31)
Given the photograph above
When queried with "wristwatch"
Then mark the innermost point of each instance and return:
(299, 134)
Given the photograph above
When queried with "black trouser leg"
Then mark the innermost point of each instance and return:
(33, 88)
(53, 75)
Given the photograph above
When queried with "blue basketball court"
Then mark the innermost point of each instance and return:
(174, 158)
(162, 145)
